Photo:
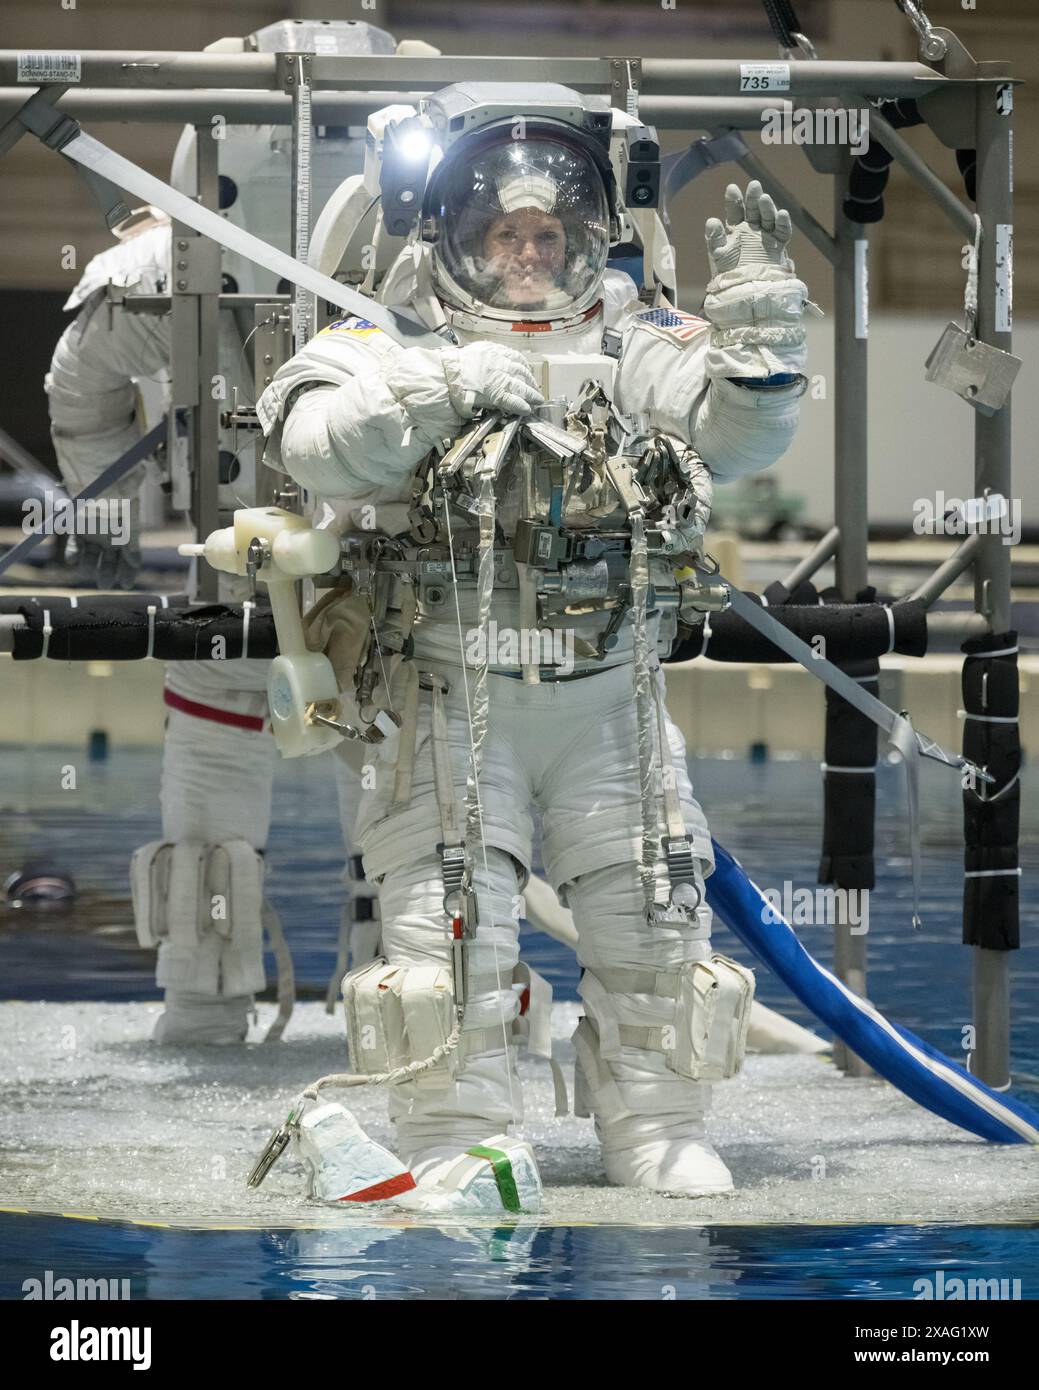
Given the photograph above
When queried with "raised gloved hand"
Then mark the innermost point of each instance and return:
(755, 301)
(488, 375)
(756, 232)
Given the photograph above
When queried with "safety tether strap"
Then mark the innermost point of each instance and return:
(443, 781)
(642, 680)
(286, 971)
(903, 737)
(64, 134)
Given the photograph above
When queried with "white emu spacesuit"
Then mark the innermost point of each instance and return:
(508, 262)
(218, 755)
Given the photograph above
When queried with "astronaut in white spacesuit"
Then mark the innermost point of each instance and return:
(218, 754)
(507, 261)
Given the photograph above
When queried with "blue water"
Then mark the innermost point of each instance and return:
(768, 814)
(516, 1262)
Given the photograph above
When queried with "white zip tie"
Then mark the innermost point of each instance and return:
(707, 634)
(992, 873)
(47, 630)
(151, 632)
(891, 628)
(247, 606)
(832, 767)
(989, 718)
(984, 656)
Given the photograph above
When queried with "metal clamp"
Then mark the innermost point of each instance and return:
(452, 871)
(682, 871)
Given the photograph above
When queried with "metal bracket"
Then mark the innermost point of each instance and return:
(196, 265)
(272, 342)
(288, 66)
(625, 76)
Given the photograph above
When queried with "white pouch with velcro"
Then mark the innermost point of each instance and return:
(712, 1016)
(202, 906)
(396, 1014)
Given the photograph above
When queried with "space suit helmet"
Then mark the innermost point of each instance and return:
(520, 207)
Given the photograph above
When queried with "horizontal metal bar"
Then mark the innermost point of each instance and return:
(189, 107)
(346, 108)
(161, 69)
(376, 73)
(166, 70)
(161, 303)
(723, 76)
(170, 70)
(958, 213)
(947, 572)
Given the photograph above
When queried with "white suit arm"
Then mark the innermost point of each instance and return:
(374, 429)
(90, 390)
(391, 407)
(735, 428)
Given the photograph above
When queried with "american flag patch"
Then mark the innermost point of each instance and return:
(353, 324)
(676, 322)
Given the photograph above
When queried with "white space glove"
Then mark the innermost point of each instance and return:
(755, 302)
(756, 232)
(489, 375)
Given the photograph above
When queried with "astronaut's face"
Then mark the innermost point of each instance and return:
(526, 251)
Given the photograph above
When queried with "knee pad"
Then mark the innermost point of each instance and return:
(202, 906)
(696, 1015)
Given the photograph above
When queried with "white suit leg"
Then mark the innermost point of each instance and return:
(217, 771)
(359, 929)
(483, 1098)
(649, 1119)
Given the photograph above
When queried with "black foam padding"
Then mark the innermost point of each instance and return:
(992, 811)
(849, 798)
(852, 631)
(116, 628)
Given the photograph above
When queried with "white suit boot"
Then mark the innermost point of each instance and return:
(650, 1121)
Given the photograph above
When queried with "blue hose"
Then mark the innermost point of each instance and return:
(916, 1068)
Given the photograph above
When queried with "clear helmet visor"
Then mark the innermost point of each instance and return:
(521, 228)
